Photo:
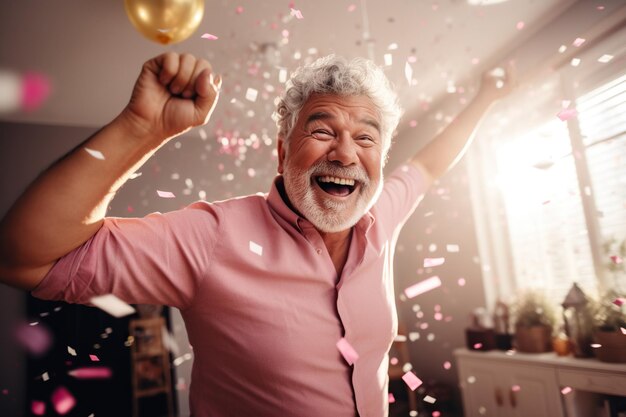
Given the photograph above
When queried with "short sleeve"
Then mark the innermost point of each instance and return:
(158, 259)
(404, 188)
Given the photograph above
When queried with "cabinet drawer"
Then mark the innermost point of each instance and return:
(593, 381)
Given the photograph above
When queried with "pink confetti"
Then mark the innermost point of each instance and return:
(447, 365)
(91, 373)
(461, 282)
(616, 260)
(412, 380)
(165, 194)
(35, 90)
(520, 25)
(94, 358)
(623, 329)
(36, 339)
(567, 114)
(516, 388)
(478, 345)
(430, 262)
(296, 13)
(618, 302)
(38, 408)
(578, 41)
(422, 287)
(392, 399)
(566, 390)
(352, 8)
(63, 400)
(239, 10)
(436, 414)
(209, 37)
(347, 351)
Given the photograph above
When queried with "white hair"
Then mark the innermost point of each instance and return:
(336, 75)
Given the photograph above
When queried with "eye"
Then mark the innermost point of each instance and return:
(322, 134)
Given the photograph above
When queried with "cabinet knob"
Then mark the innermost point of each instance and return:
(498, 395)
(513, 398)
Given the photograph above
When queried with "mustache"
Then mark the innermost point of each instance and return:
(335, 169)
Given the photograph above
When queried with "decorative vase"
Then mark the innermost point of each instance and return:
(612, 346)
(533, 339)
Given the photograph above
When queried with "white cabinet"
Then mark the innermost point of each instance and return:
(497, 389)
(499, 384)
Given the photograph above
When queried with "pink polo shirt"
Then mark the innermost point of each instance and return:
(260, 297)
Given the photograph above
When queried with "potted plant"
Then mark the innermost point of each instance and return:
(609, 319)
(534, 320)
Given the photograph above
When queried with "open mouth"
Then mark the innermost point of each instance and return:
(339, 187)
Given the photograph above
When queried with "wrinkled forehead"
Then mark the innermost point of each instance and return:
(356, 108)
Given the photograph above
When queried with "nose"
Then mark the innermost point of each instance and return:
(343, 150)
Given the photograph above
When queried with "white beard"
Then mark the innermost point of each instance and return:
(327, 215)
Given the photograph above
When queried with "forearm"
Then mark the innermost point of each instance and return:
(444, 151)
(67, 203)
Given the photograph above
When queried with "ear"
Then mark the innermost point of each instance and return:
(281, 147)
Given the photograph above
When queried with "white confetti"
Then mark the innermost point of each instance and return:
(388, 59)
(45, 376)
(605, 58)
(251, 94)
(112, 305)
(452, 248)
(282, 76)
(408, 72)
(256, 248)
(429, 399)
(96, 154)
(71, 351)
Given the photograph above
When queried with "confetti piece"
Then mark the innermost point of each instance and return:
(567, 114)
(422, 287)
(516, 388)
(566, 390)
(461, 282)
(38, 408)
(165, 194)
(578, 41)
(91, 373)
(447, 365)
(347, 351)
(282, 75)
(575, 62)
(429, 399)
(239, 10)
(63, 400)
(209, 37)
(412, 380)
(95, 154)
(478, 345)
(616, 260)
(430, 262)
(94, 358)
(392, 399)
(452, 248)
(623, 329)
(408, 73)
(618, 302)
(256, 248)
(351, 8)
(388, 59)
(520, 25)
(71, 351)
(251, 94)
(35, 90)
(393, 361)
(562, 49)
(605, 58)
(35, 339)
(296, 13)
(112, 305)
(45, 377)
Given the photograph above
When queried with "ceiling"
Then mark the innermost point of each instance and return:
(92, 53)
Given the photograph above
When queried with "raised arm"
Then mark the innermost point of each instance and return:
(445, 150)
(67, 203)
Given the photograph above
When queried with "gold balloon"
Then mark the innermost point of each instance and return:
(165, 21)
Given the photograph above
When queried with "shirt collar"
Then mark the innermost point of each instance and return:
(276, 200)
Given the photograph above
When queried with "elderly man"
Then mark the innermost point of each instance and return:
(267, 284)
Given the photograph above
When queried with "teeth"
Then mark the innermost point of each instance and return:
(341, 181)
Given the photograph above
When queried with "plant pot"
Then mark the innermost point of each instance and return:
(533, 339)
(612, 346)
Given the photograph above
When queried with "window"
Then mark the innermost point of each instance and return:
(548, 194)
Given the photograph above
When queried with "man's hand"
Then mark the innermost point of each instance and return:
(172, 94)
(497, 83)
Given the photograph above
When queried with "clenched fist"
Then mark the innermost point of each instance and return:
(173, 93)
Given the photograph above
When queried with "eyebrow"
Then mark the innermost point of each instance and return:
(324, 116)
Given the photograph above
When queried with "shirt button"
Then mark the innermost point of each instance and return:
(319, 251)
